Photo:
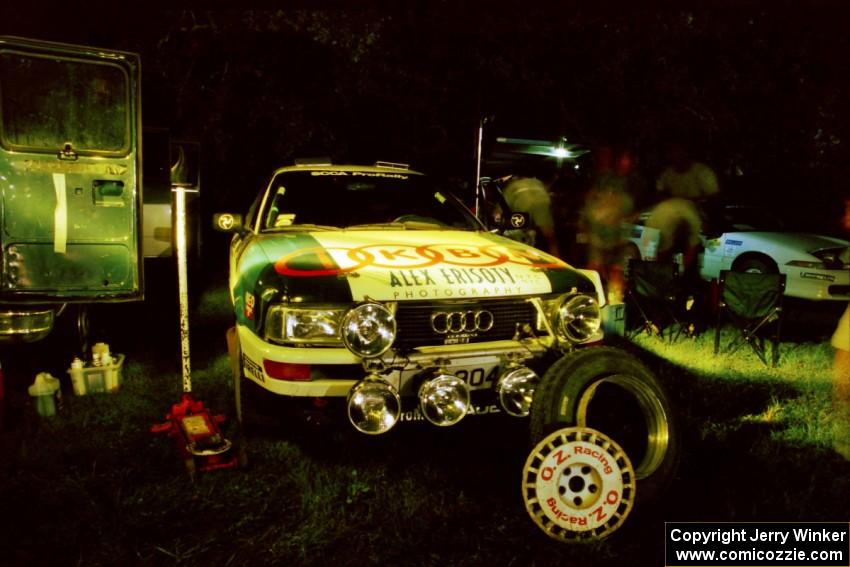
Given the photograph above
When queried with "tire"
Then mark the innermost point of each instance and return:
(236, 429)
(247, 396)
(756, 265)
(84, 328)
(252, 403)
(610, 390)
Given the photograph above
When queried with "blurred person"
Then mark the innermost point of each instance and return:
(684, 177)
(528, 194)
(608, 204)
(841, 366)
(679, 224)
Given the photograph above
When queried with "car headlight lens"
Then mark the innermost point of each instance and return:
(833, 258)
(515, 389)
(303, 326)
(579, 317)
(443, 398)
(374, 406)
(368, 330)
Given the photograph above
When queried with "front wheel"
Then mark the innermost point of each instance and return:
(755, 265)
(246, 394)
(611, 391)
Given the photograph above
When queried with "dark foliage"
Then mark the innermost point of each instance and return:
(756, 87)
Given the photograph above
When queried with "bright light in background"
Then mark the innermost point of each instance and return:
(560, 149)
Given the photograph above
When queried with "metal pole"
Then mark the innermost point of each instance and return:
(179, 193)
(478, 165)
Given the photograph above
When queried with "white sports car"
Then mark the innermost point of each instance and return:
(749, 239)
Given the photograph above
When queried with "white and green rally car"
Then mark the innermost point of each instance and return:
(372, 286)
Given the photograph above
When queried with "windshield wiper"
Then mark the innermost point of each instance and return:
(378, 226)
(301, 227)
(406, 225)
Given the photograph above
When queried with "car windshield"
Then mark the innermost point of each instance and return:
(361, 200)
(748, 219)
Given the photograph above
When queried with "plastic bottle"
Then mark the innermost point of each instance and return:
(100, 354)
(77, 378)
(44, 392)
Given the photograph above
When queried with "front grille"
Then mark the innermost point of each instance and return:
(414, 321)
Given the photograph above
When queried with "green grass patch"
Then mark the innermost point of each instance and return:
(793, 400)
(93, 486)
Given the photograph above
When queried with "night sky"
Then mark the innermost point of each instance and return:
(757, 87)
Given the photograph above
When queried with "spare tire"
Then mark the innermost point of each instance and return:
(610, 390)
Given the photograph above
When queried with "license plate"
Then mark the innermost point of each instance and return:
(479, 373)
(478, 377)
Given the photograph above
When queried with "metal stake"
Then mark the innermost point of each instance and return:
(179, 192)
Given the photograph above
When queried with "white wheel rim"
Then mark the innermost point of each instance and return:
(578, 484)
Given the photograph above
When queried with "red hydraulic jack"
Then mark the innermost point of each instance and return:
(197, 436)
(195, 430)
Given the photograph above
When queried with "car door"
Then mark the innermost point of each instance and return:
(69, 173)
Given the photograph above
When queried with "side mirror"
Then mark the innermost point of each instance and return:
(518, 220)
(517, 226)
(227, 222)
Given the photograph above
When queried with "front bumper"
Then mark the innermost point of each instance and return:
(452, 358)
(21, 325)
(817, 284)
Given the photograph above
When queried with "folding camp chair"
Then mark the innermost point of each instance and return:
(656, 294)
(753, 304)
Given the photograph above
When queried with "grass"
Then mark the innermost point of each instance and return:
(93, 486)
(794, 397)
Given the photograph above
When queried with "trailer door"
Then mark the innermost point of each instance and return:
(69, 173)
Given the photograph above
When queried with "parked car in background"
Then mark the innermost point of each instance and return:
(751, 239)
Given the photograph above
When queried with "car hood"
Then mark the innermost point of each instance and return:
(413, 265)
(792, 241)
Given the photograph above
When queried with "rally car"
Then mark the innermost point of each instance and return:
(751, 239)
(375, 289)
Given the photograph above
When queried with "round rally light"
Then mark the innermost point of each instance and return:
(444, 399)
(516, 390)
(578, 484)
(579, 317)
(374, 406)
(368, 330)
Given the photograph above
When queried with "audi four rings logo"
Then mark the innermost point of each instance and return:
(444, 322)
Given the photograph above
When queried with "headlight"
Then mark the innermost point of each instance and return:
(302, 325)
(833, 258)
(368, 330)
(373, 406)
(578, 317)
(515, 389)
(443, 398)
